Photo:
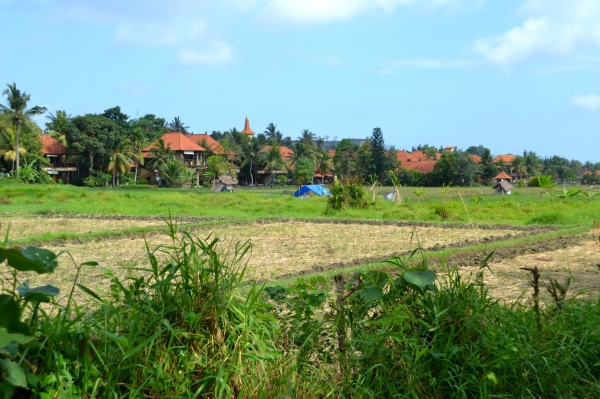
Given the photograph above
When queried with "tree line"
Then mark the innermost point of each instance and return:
(109, 142)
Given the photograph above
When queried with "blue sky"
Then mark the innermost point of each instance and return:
(512, 75)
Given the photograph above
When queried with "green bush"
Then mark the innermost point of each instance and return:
(348, 193)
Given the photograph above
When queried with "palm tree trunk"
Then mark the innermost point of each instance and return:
(136, 172)
(251, 178)
(17, 145)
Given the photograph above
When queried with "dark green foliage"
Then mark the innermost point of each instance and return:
(304, 170)
(445, 170)
(347, 193)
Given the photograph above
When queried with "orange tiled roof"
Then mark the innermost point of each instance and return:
(420, 166)
(506, 158)
(177, 141)
(476, 158)
(211, 143)
(51, 146)
(502, 176)
(587, 172)
(416, 156)
(247, 129)
(286, 153)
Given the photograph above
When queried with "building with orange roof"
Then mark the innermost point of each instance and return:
(416, 161)
(60, 167)
(286, 152)
(506, 158)
(211, 144)
(247, 129)
(476, 158)
(185, 151)
(503, 176)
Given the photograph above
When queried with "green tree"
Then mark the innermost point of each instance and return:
(488, 168)
(177, 125)
(307, 137)
(324, 163)
(138, 142)
(303, 150)
(173, 171)
(153, 126)
(160, 154)
(304, 170)
(18, 113)
(119, 161)
(273, 160)
(274, 136)
(378, 155)
(345, 158)
(445, 171)
(94, 136)
(217, 165)
(252, 155)
(56, 126)
(363, 160)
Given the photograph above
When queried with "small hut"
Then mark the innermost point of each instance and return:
(503, 177)
(224, 183)
(503, 187)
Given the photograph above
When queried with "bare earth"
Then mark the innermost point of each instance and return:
(510, 283)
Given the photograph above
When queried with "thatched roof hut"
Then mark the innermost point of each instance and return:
(503, 187)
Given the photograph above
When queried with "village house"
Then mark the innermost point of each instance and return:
(61, 167)
(185, 150)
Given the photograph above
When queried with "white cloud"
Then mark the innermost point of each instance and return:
(220, 54)
(553, 29)
(157, 34)
(589, 101)
(428, 63)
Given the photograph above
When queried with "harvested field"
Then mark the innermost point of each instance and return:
(23, 227)
(278, 248)
(580, 261)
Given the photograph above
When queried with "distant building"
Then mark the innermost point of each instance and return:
(247, 129)
(328, 145)
(60, 166)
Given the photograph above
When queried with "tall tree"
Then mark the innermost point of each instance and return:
(378, 155)
(345, 157)
(307, 137)
(177, 125)
(488, 168)
(304, 170)
(94, 136)
(251, 155)
(56, 126)
(18, 113)
(324, 164)
(160, 154)
(273, 160)
(273, 135)
(153, 126)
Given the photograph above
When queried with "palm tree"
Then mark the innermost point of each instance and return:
(273, 160)
(272, 133)
(307, 137)
(119, 161)
(173, 171)
(320, 143)
(57, 124)
(303, 150)
(251, 155)
(138, 142)
(18, 112)
(177, 125)
(161, 153)
(8, 146)
(324, 164)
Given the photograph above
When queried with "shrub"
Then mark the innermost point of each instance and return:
(348, 193)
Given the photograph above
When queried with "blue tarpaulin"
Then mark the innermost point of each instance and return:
(315, 189)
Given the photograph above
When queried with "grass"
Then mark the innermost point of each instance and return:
(521, 208)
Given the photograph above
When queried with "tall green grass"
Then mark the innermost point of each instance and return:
(191, 327)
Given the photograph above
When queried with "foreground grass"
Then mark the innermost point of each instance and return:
(521, 209)
(191, 327)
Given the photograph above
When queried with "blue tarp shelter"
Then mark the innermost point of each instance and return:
(315, 189)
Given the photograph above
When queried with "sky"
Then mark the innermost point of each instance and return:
(512, 75)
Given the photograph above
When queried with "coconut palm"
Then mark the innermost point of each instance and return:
(272, 133)
(57, 124)
(119, 161)
(251, 154)
(161, 153)
(138, 141)
(273, 160)
(18, 113)
(173, 171)
(307, 137)
(177, 125)
(8, 146)
(324, 164)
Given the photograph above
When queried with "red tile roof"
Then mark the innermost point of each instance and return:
(247, 129)
(177, 142)
(415, 156)
(420, 166)
(476, 158)
(286, 153)
(503, 176)
(587, 172)
(211, 143)
(51, 146)
(506, 158)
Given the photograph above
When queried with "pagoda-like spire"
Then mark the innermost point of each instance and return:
(247, 129)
